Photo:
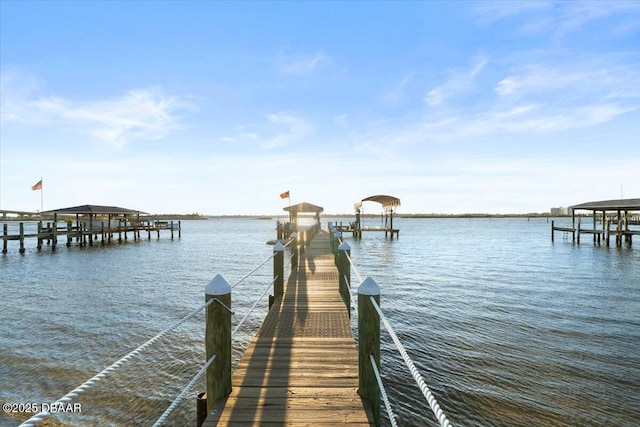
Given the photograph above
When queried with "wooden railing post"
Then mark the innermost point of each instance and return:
(369, 343)
(344, 271)
(294, 251)
(336, 244)
(553, 228)
(278, 272)
(218, 340)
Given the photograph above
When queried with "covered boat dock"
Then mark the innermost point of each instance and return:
(87, 224)
(389, 204)
(622, 213)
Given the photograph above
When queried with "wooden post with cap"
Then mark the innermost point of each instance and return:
(218, 340)
(344, 271)
(369, 343)
(278, 272)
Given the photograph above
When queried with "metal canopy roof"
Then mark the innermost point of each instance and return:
(94, 210)
(610, 205)
(304, 207)
(385, 201)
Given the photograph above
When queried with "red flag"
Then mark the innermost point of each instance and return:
(284, 195)
(37, 186)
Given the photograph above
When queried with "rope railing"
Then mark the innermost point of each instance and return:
(433, 403)
(243, 278)
(110, 369)
(184, 392)
(37, 418)
(189, 386)
(266, 288)
(355, 269)
(383, 392)
(354, 297)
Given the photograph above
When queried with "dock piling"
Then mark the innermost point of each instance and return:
(294, 249)
(369, 343)
(278, 272)
(344, 273)
(22, 237)
(218, 340)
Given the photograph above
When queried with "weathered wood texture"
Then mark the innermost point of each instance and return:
(301, 368)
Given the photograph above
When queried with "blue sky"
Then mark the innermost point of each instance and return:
(218, 107)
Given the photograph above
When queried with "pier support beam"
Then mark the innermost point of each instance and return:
(278, 272)
(4, 238)
(22, 237)
(218, 340)
(369, 343)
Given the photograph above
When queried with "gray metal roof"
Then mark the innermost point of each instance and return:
(94, 210)
(610, 205)
(304, 207)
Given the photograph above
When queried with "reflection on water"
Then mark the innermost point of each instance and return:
(506, 327)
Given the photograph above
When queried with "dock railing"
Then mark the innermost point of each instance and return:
(218, 336)
(369, 315)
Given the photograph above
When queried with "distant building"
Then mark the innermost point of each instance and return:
(560, 211)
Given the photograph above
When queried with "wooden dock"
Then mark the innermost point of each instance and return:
(301, 368)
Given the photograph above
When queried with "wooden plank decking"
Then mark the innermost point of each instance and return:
(301, 368)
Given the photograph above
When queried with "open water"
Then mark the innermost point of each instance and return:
(507, 328)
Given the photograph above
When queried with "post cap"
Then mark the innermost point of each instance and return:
(218, 286)
(369, 287)
(278, 247)
(344, 246)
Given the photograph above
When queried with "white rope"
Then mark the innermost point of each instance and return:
(355, 269)
(266, 288)
(184, 392)
(353, 296)
(252, 271)
(433, 403)
(109, 370)
(383, 392)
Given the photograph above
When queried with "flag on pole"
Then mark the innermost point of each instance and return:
(284, 195)
(37, 186)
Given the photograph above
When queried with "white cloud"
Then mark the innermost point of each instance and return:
(140, 114)
(559, 18)
(341, 120)
(288, 128)
(146, 114)
(302, 64)
(459, 83)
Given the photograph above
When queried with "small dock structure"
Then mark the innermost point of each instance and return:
(284, 230)
(88, 225)
(301, 368)
(622, 213)
(389, 204)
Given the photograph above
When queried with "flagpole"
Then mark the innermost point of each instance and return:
(41, 196)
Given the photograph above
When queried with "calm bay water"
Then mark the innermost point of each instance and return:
(507, 328)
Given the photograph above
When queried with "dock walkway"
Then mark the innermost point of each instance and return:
(301, 368)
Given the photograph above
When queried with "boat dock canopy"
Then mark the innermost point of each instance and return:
(385, 201)
(94, 210)
(610, 205)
